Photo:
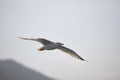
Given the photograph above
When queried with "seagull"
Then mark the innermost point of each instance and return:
(49, 45)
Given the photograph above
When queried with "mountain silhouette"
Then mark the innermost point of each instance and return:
(11, 70)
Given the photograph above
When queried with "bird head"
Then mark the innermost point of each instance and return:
(60, 43)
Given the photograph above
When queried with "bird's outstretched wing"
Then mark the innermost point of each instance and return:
(41, 40)
(70, 52)
(44, 41)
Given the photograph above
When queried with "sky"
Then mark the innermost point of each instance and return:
(89, 27)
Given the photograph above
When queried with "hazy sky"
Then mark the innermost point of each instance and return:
(90, 27)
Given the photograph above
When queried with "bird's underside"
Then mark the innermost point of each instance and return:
(49, 45)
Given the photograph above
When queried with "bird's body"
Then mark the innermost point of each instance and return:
(49, 45)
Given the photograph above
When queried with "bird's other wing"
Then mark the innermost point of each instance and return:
(44, 41)
(41, 40)
(70, 52)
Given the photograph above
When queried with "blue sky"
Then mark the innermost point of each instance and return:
(91, 28)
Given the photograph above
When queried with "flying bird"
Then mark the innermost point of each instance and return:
(49, 45)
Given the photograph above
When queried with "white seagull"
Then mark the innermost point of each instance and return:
(49, 45)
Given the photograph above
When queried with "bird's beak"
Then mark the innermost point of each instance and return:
(28, 39)
(62, 44)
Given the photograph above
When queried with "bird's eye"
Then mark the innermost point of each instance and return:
(60, 43)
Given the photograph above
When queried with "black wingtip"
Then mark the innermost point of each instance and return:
(21, 37)
(86, 60)
(83, 59)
